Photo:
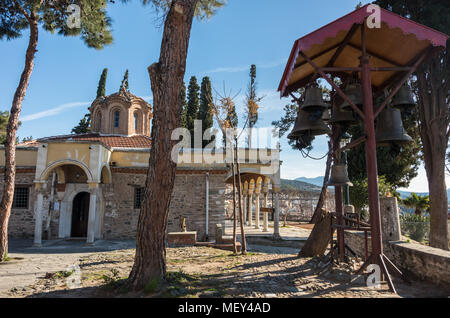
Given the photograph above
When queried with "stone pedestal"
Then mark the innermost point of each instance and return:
(219, 234)
(390, 220)
(349, 209)
(182, 238)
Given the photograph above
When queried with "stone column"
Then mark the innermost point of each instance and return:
(92, 210)
(257, 193)
(244, 201)
(38, 212)
(265, 214)
(276, 221)
(250, 208)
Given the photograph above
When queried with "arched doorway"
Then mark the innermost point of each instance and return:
(80, 215)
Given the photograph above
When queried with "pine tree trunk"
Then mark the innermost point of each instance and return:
(433, 126)
(323, 193)
(166, 78)
(318, 240)
(11, 132)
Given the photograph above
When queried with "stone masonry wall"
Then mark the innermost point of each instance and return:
(188, 199)
(120, 217)
(424, 262)
(21, 222)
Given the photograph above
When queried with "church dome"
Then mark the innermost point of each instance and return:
(121, 113)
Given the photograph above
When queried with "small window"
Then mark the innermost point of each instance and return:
(20, 200)
(138, 197)
(116, 119)
(135, 122)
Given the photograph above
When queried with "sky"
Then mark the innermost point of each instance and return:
(244, 32)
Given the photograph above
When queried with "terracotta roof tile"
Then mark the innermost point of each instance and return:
(112, 141)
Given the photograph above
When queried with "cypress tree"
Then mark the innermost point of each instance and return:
(251, 97)
(84, 124)
(252, 103)
(205, 112)
(193, 104)
(124, 84)
(101, 89)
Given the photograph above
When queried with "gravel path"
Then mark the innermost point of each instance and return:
(202, 272)
(29, 264)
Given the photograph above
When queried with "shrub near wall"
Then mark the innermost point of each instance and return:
(417, 227)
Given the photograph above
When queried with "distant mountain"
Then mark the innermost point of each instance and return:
(316, 181)
(299, 185)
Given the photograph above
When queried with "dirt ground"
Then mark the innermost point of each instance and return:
(198, 272)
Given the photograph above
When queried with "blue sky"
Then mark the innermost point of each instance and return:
(244, 32)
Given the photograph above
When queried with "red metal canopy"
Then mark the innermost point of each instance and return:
(398, 42)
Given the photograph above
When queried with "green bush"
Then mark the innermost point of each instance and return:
(415, 226)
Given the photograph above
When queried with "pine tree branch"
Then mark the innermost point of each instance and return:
(22, 10)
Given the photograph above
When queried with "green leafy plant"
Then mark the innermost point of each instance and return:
(152, 286)
(419, 203)
(359, 195)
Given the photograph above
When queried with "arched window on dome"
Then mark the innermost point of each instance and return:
(116, 119)
(136, 122)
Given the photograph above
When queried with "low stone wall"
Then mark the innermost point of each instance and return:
(423, 262)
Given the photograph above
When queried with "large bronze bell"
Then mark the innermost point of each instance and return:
(354, 93)
(404, 98)
(390, 128)
(339, 176)
(339, 116)
(314, 100)
(308, 124)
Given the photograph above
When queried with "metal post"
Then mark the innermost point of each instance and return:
(371, 154)
(346, 187)
(338, 196)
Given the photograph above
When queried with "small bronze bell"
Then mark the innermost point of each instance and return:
(390, 128)
(339, 176)
(354, 93)
(404, 98)
(308, 124)
(339, 116)
(314, 100)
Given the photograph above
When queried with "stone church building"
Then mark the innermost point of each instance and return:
(90, 186)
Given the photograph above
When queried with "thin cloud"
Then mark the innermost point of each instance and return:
(53, 111)
(237, 69)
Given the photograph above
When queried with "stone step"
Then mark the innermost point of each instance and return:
(223, 246)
